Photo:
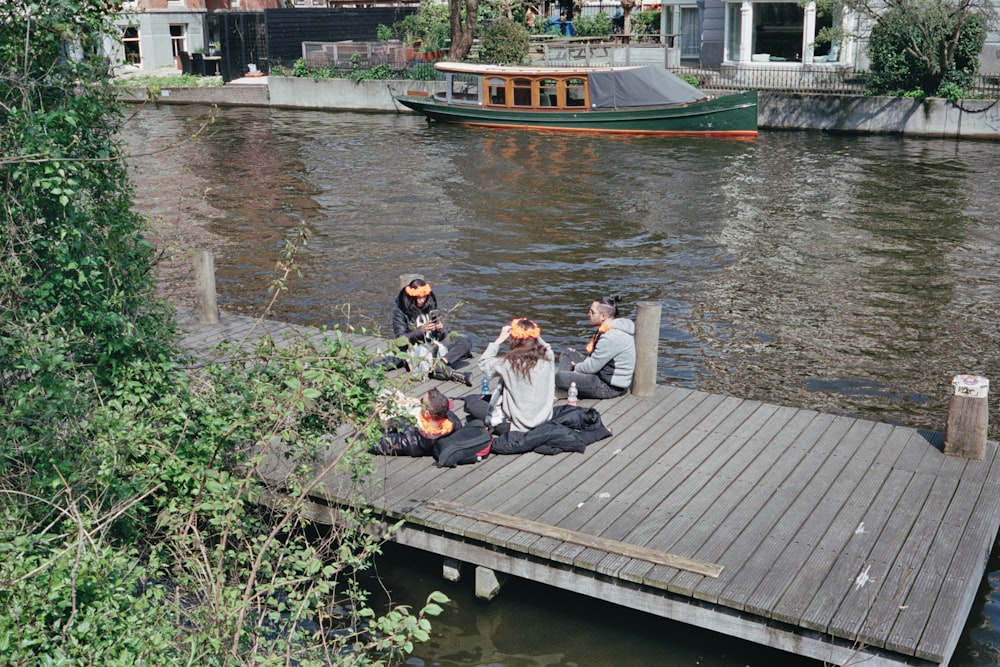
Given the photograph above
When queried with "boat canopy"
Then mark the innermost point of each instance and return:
(639, 87)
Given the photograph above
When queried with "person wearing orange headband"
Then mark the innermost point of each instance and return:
(527, 373)
(414, 433)
(417, 319)
(605, 370)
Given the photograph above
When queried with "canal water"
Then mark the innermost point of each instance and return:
(852, 275)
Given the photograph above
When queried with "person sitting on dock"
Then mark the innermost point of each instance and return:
(605, 371)
(419, 424)
(527, 374)
(417, 319)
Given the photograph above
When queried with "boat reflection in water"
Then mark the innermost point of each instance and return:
(631, 100)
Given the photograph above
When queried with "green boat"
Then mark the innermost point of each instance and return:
(628, 100)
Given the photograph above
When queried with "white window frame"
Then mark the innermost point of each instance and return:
(739, 39)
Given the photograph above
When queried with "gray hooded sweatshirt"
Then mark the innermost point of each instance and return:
(613, 358)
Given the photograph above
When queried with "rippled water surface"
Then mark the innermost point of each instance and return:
(854, 275)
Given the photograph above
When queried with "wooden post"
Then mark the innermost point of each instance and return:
(968, 417)
(405, 278)
(647, 341)
(205, 297)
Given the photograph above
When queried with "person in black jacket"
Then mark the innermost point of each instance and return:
(414, 432)
(418, 320)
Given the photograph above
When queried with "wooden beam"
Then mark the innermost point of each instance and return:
(573, 537)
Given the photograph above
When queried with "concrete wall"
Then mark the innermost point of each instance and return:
(242, 95)
(969, 119)
(343, 94)
(932, 117)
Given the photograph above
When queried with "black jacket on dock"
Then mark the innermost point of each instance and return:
(571, 429)
(403, 438)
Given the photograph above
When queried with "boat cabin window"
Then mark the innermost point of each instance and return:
(576, 93)
(540, 92)
(522, 92)
(463, 88)
(498, 91)
(548, 93)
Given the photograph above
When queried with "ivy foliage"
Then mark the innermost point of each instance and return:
(503, 42)
(131, 525)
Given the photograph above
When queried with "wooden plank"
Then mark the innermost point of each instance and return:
(749, 536)
(684, 479)
(704, 488)
(804, 529)
(608, 511)
(818, 516)
(650, 555)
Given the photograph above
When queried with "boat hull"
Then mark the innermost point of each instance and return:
(731, 115)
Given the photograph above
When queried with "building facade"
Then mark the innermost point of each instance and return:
(155, 32)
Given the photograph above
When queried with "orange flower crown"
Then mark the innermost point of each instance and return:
(518, 331)
(417, 292)
(432, 427)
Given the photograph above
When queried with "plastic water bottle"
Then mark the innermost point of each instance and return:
(571, 395)
(485, 387)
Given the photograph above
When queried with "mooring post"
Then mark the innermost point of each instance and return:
(405, 278)
(968, 417)
(647, 342)
(205, 298)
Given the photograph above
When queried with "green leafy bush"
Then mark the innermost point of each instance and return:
(379, 71)
(430, 26)
(131, 525)
(646, 23)
(908, 50)
(503, 42)
(301, 69)
(594, 25)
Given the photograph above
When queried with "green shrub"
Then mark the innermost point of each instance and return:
(131, 529)
(595, 25)
(379, 71)
(908, 50)
(691, 79)
(503, 42)
(300, 68)
(430, 26)
(646, 23)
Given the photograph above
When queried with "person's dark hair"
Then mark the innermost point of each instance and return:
(609, 305)
(436, 404)
(525, 352)
(408, 304)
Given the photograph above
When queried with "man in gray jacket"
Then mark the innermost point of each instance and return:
(605, 371)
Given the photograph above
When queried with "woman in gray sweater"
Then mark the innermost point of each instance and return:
(528, 375)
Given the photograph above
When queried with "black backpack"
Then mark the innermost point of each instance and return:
(469, 444)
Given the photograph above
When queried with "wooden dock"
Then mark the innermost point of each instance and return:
(843, 540)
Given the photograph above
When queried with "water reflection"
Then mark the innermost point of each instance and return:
(849, 274)
(854, 275)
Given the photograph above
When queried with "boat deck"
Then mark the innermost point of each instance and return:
(840, 539)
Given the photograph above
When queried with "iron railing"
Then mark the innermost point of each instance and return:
(832, 80)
